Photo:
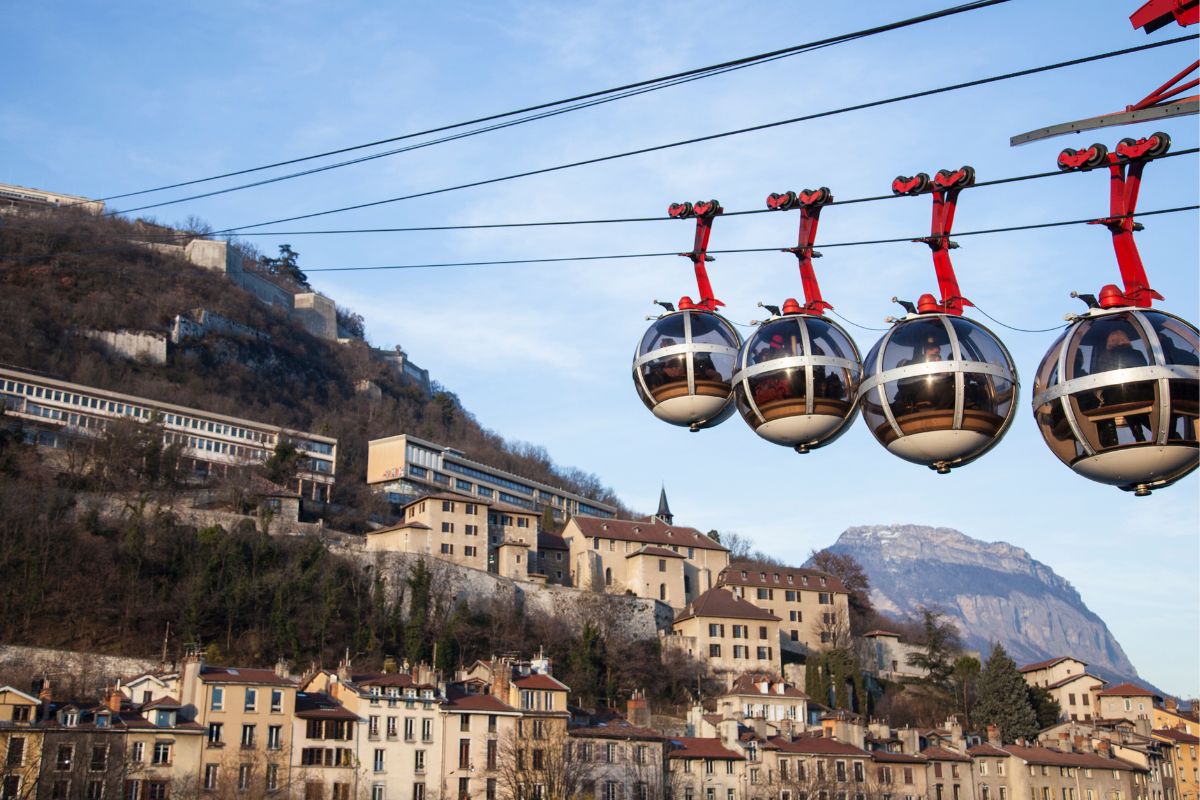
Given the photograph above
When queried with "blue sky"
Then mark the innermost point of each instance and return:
(105, 98)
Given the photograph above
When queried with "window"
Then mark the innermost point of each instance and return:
(418, 791)
(377, 764)
(447, 549)
(10, 789)
(66, 755)
(491, 723)
(276, 701)
(16, 752)
(447, 527)
(419, 761)
(272, 777)
(156, 790)
(162, 753)
(95, 790)
(20, 713)
(426, 730)
(251, 700)
(214, 734)
(244, 773)
(218, 699)
(99, 761)
(210, 776)
(275, 737)
(377, 792)
(715, 630)
(60, 790)
(858, 771)
(714, 651)
(464, 753)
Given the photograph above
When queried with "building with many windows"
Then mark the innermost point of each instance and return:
(52, 412)
(730, 634)
(404, 467)
(812, 606)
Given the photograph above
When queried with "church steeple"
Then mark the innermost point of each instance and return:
(664, 510)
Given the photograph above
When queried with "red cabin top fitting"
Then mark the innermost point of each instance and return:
(810, 202)
(945, 187)
(704, 212)
(1125, 179)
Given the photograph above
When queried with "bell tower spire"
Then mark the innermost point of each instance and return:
(664, 510)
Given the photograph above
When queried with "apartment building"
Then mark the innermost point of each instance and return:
(622, 760)
(20, 742)
(446, 526)
(650, 558)
(1126, 701)
(730, 634)
(1068, 681)
(781, 706)
(54, 412)
(404, 467)
(1184, 766)
(706, 769)
(949, 774)
(325, 759)
(247, 716)
(812, 606)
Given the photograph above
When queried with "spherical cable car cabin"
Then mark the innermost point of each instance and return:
(797, 376)
(1117, 396)
(683, 367)
(939, 389)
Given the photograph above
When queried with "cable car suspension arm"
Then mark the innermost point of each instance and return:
(945, 187)
(704, 212)
(809, 202)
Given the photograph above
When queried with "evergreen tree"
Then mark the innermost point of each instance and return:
(419, 584)
(941, 645)
(1004, 698)
(1045, 707)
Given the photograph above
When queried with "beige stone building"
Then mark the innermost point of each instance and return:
(247, 716)
(619, 556)
(812, 606)
(446, 526)
(766, 703)
(705, 769)
(1126, 701)
(1185, 768)
(164, 748)
(325, 763)
(731, 635)
(622, 760)
(20, 741)
(1068, 681)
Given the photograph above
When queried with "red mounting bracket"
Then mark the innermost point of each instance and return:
(945, 187)
(810, 203)
(1125, 179)
(704, 212)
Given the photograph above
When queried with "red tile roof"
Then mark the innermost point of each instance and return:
(1049, 663)
(617, 729)
(988, 750)
(539, 681)
(659, 552)
(719, 602)
(695, 747)
(749, 684)
(240, 675)
(1182, 737)
(1126, 690)
(1057, 758)
(887, 757)
(162, 702)
(942, 754)
(551, 541)
(777, 577)
(317, 705)
(653, 532)
(818, 745)
(1073, 678)
(477, 702)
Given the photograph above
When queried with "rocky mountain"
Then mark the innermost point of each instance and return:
(993, 590)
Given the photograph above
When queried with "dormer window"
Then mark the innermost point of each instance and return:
(822, 581)
(70, 718)
(743, 573)
(102, 720)
(804, 580)
(789, 578)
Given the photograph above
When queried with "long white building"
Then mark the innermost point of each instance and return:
(59, 410)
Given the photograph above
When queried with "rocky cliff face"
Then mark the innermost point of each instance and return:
(994, 591)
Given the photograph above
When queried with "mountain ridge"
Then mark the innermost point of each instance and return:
(994, 591)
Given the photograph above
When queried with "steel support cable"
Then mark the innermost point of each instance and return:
(650, 84)
(432, 142)
(167, 237)
(725, 134)
(731, 251)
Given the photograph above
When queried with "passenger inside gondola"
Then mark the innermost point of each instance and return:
(1133, 396)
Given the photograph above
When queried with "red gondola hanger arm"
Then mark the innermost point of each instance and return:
(1125, 168)
(810, 202)
(704, 212)
(945, 187)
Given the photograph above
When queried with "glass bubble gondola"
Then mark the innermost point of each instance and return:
(1116, 396)
(939, 389)
(683, 366)
(798, 374)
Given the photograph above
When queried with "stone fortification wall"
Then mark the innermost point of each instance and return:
(136, 345)
(637, 617)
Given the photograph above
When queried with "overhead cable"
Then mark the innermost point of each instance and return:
(650, 84)
(725, 134)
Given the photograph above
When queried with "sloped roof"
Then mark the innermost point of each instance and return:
(241, 675)
(748, 684)
(318, 705)
(778, 577)
(1073, 678)
(477, 702)
(1057, 758)
(988, 750)
(1050, 662)
(653, 531)
(167, 702)
(818, 745)
(1126, 690)
(942, 754)
(888, 757)
(410, 523)
(696, 747)
(540, 681)
(1176, 735)
(617, 729)
(718, 602)
(551, 541)
(658, 552)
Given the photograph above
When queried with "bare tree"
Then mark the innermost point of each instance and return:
(540, 764)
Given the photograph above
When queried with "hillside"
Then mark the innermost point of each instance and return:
(67, 273)
(994, 591)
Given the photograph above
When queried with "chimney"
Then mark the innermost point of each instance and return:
(637, 710)
(1064, 742)
(282, 669)
(42, 687)
(1104, 748)
(114, 698)
(501, 679)
(1171, 704)
(993, 736)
